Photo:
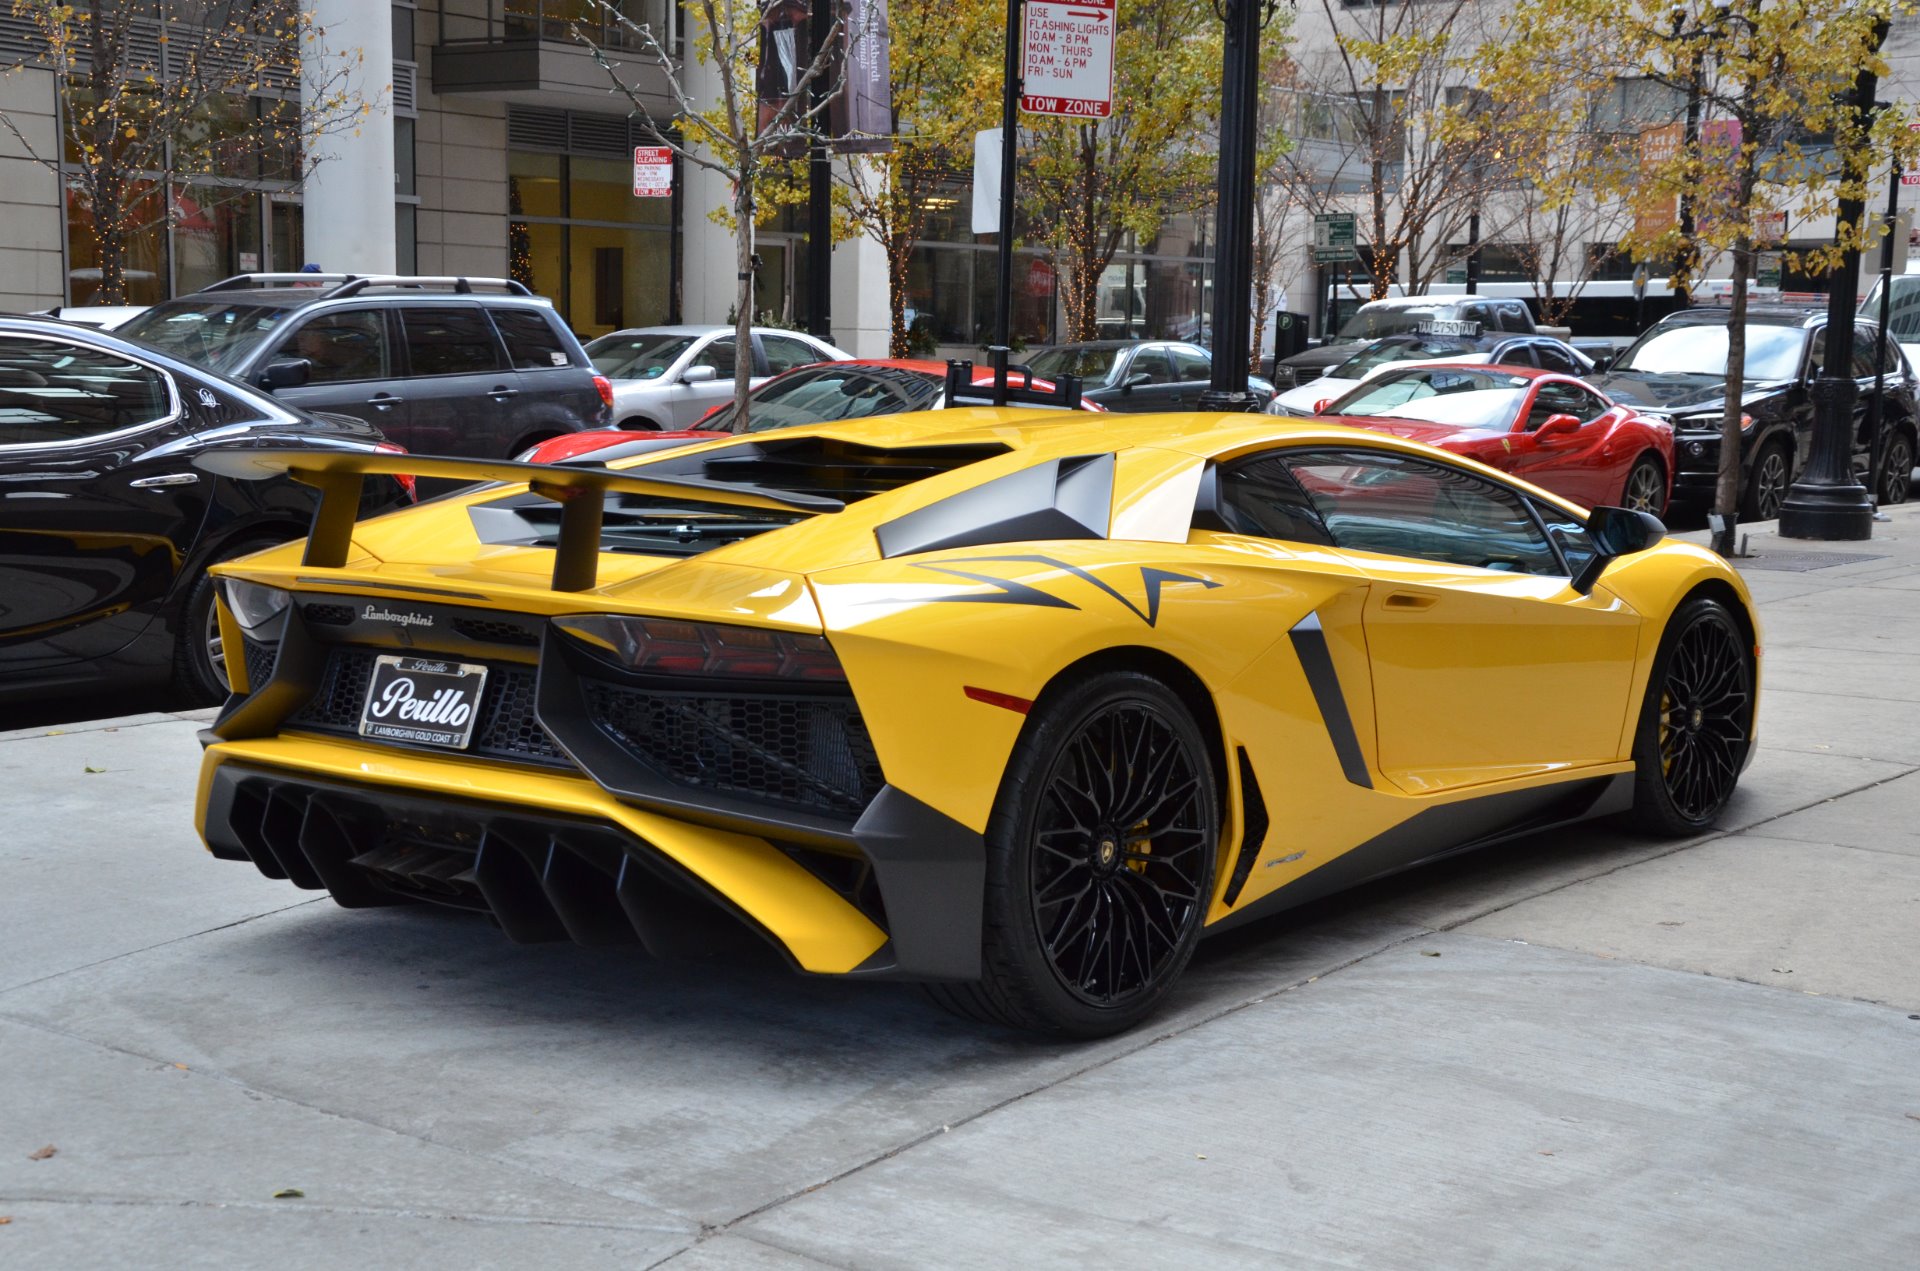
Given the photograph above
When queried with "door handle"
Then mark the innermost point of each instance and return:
(502, 391)
(1411, 601)
(170, 479)
(384, 401)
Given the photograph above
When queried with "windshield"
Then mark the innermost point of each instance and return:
(1091, 365)
(206, 332)
(1402, 350)
(637, 357)
(827, 394)
(1700, 348)
(1466, 399)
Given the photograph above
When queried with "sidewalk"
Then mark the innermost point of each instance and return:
(1584, 1049)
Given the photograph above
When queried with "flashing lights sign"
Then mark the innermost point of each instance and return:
(1068, 65)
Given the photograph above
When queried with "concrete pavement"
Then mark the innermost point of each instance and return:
(1585, 1049)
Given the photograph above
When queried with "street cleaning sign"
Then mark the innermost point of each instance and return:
(1068, 67)
(652, 172)
(1335, 237)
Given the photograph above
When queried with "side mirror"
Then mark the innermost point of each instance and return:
(1616, 532)
(1134, 381)
(287, 373)
(1320, 407)
(1601, 361)
(1555, 425)
(699, 375)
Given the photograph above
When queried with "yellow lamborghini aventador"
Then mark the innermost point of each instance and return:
(1012, 702)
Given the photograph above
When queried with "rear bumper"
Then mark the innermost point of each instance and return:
(552, 856)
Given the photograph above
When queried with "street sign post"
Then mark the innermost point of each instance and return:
(1335, 238)
(1068, 65)
(652, 172)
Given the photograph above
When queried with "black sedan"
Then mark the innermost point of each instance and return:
(1138, 375)
(1677, 370)
(107, 528)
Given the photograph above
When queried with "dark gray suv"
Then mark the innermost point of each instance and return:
(444, 366)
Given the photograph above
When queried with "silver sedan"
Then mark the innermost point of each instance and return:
(666, 378)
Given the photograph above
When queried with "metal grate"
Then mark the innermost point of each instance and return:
(805, 752)
(1801, 562)
(260, 660)
(506, 729)
(487, 631)
(328, 615)
(567, 131)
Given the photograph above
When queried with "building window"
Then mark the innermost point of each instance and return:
(578, 236)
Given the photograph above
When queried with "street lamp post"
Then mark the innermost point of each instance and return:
(1827, 502)
(1233, 241)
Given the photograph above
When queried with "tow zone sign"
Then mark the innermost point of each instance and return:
(1068, 66)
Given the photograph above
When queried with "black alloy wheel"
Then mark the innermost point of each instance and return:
(1100, 862)
(1896, 479)
(1697, 721)
(1767, 487)
(1646, 488)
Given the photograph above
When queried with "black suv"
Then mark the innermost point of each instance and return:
(1677, 370)
(445, 366)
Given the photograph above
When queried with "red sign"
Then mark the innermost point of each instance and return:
(1068, 66)
(1039, 278)
(652, 172)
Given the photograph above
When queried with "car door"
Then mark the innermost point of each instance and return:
(459, 389)
(1486, 663)
(690, 398)
(99, 506)
(1192, 374)
(351, 368)
(1580, 465)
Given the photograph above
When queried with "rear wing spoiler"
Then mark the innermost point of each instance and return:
(580, 492)
(1011, 386)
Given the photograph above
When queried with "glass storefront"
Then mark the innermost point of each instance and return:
(580, 237)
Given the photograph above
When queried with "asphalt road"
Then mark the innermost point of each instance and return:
(1581, 1050)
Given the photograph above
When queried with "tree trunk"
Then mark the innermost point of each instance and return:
(743, 293)
(900, 338)
(110, 216)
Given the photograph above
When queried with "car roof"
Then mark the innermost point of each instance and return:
(1110, 344)
(1776, 315)
(703, 328)
(1528, 372)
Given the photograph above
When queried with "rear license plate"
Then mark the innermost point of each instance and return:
(426, 701)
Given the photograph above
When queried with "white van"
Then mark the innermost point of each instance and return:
(1903, 315)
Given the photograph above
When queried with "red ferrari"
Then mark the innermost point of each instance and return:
(1558, 432)
(821, 393)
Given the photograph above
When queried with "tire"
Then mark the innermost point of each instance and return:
(199, 664)
(638, 423)
(1696, 723)
(1896, 478)
(1767, 483)
(1083, 938)
(1646, 487)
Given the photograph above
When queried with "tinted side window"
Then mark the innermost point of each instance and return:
(1862, 353)
(1515, 353)
(1190, 365)
(1153, 364)
(1259, 498)
(451, 341)
(1513, 317)
(718, 355)
(532, 344)
(1569, 535)
(1564, 399)
(1556, 358)
(52, 391)
(784, 353)
(1373, 502)
(346, 344)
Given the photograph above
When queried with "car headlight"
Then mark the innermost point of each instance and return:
(254, 606)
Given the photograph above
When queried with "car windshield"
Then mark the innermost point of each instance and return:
(208, 333)
(1372, 323)
(818, 396)
(637, 357)
(1700, 348)
(1387, 351)
(1092, 365)
(1450, 395)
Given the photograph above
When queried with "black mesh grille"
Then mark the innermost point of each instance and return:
(805, 752)
(487, 631)
(506, 729)
(259, 659)
(329, 615)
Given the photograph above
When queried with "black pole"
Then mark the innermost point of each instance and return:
(1233, 219)
(1009, 153)
(1874, 458)
(1473, 253)
(819, 192)
(1827, 502)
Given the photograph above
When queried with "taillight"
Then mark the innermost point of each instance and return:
(605, 386)
(405, 479)
(667, 646)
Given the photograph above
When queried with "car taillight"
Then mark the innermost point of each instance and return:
(405, 479)
(667, 646)
(605, 386)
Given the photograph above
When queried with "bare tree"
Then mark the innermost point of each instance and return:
(152, 95)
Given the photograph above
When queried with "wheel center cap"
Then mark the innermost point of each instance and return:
(1106, 851)
(1698, 718)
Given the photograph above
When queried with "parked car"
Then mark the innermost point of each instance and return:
(1139, 375)
(1462, 317)
(107, 317)
(1553, 430)
(854, 389)
(448, 366)
(1677, 370)
(668, 377)
(107, 528)
(1903, 312)
(1400, 350)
